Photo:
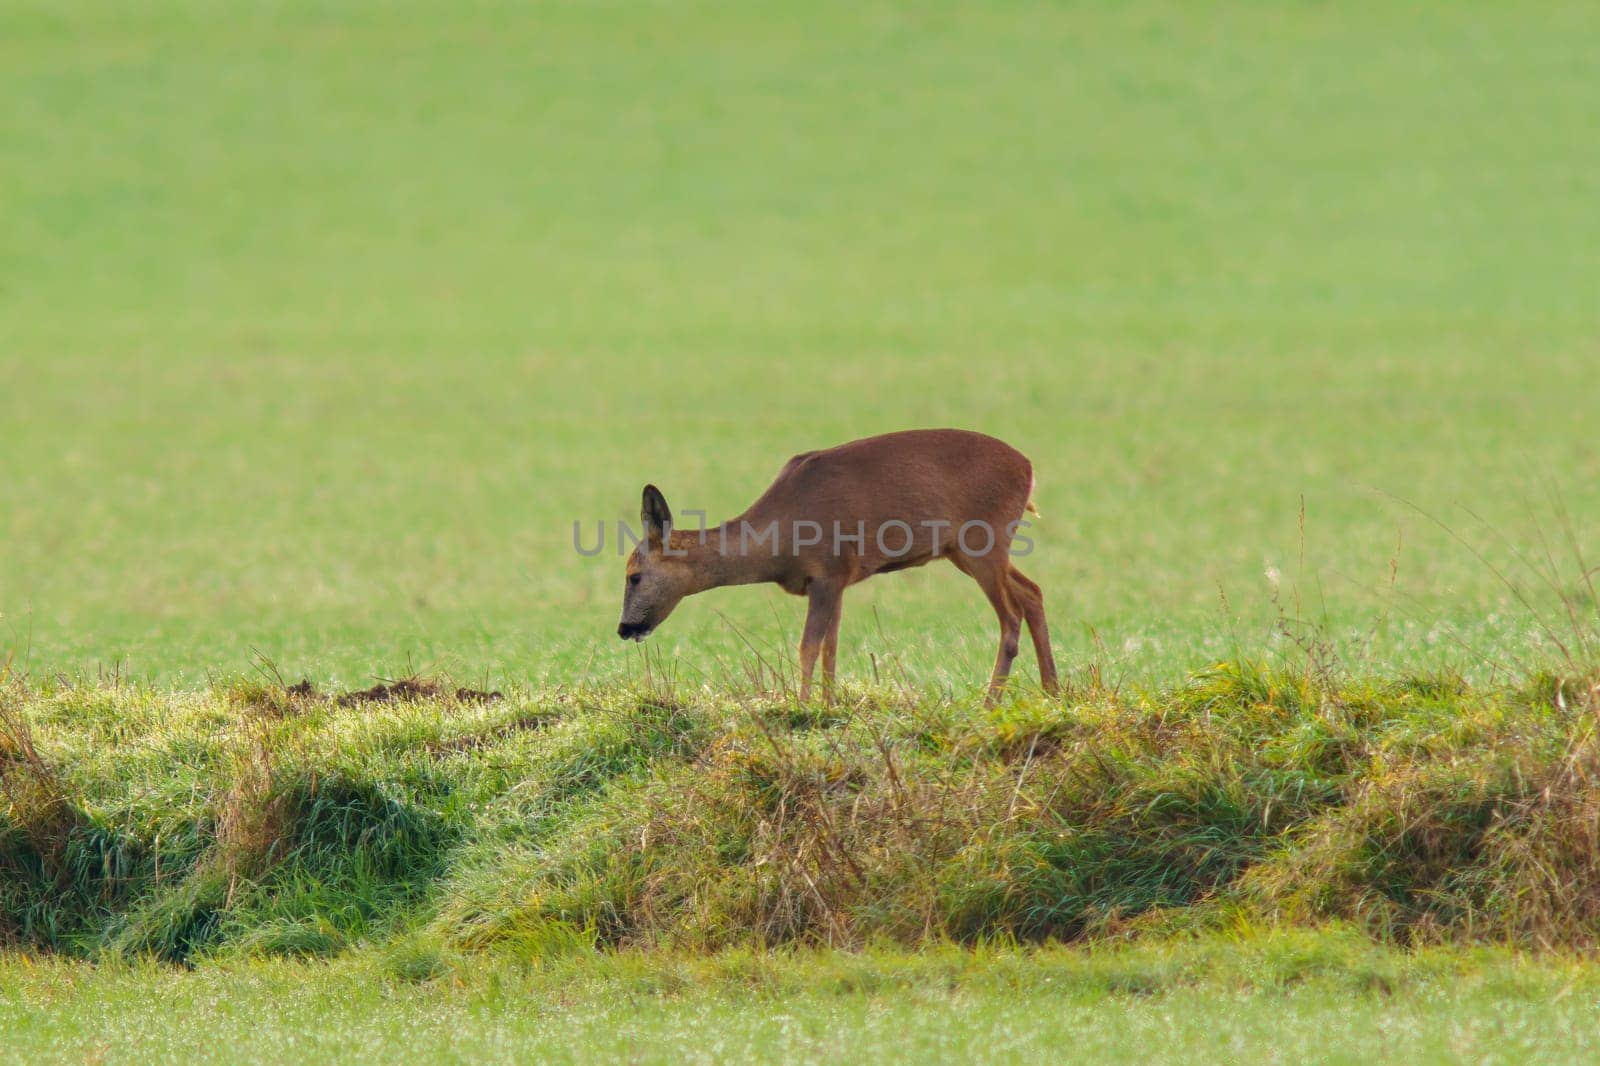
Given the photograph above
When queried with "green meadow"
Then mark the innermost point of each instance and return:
(322, 323)
(1283, 999)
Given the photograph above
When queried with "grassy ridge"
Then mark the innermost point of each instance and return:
(252, 821)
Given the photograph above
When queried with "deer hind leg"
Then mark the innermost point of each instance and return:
(1030, 599)
(822, 619)
(991, 572)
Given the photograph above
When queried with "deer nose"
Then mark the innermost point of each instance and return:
(626, 630)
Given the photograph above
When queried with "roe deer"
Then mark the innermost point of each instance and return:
(838, 516)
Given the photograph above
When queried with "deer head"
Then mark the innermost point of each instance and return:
(656, 580)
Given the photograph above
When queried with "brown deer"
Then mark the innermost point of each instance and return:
(835, 517)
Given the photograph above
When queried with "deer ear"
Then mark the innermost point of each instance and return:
(655, 514)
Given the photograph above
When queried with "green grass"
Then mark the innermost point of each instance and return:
(1328, 998)
(1284, 865)
(320, 323)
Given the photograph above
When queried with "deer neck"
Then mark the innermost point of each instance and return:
(715, 557)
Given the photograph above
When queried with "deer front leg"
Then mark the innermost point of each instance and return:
(830, 647)
(822, 618)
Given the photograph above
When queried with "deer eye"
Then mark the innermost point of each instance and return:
(634, 579)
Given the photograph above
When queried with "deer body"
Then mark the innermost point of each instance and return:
(836, 517)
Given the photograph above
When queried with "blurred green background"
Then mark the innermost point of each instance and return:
(321, 323)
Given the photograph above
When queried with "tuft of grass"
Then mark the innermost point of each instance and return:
(39, 810)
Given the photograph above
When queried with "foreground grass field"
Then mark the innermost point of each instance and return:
(1324, 998)
(322, 322)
